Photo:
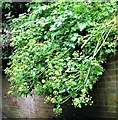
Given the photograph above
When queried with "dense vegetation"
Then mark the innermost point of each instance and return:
(59, 50)
(10, 10)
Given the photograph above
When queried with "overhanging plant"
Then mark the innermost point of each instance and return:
(59, 50)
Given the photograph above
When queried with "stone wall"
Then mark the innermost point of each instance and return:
(24, 107)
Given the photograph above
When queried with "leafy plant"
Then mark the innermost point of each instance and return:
(60, 49)
(10, 10)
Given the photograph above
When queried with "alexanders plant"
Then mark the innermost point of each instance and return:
(59, 50)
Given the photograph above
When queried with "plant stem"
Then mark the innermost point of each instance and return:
(103, 41)
(66, 99)
(86, 42)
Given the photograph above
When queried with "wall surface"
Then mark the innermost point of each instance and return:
(104, 96)
(24, 107)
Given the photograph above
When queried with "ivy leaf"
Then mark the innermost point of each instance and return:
(74, 37)
(108, 51)
(81, 26)
(52, 28)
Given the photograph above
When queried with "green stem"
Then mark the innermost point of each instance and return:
(95, 53)
(86, 42)
(66, 99)
(89, 69)
(103, 41)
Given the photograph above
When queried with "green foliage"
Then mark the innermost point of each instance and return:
(13, 9)
(60, 49)
(10, 10)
